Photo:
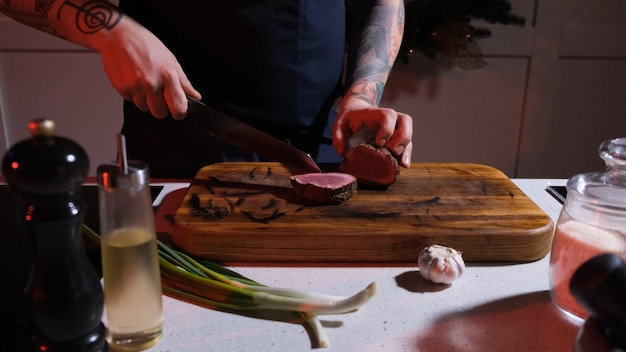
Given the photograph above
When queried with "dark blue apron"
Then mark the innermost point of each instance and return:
(275, 64)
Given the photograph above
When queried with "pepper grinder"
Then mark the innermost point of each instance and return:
(130, 264)
(64, 295)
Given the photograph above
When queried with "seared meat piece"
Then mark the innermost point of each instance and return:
(324, 188)
(373, 167)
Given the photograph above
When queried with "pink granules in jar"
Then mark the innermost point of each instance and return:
(574, 243)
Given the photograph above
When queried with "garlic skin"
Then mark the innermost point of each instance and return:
(441, 264)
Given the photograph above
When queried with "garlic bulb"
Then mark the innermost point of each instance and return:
(441, 264)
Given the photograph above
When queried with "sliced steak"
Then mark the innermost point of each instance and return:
(324, 188)
(374, 167)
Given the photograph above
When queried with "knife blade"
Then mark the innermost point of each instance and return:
(248, 138)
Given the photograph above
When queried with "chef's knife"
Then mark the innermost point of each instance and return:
(248, 138)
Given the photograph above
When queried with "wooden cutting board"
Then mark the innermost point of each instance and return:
(246, 212)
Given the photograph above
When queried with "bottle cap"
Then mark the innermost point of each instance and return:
(110, 175)
(124, 174)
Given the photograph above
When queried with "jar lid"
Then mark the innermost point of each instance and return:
(613, 151)
(599, 198)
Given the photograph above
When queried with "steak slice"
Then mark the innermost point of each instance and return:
(324, 188)
(374, 167)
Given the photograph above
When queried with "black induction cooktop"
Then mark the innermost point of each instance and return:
(558, 192)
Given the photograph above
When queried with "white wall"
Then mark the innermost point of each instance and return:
(42, 76)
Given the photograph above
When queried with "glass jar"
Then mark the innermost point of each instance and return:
(592, 222)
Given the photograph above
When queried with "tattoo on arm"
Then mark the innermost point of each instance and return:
(401, 18)
(88, 16)
(31, 14)
(43, 7)
(377, 43)
(93, 16)
(396, 38)
(373, 62)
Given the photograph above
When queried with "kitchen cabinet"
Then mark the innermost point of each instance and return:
(575, 87)
(552, 92)
(549, 95)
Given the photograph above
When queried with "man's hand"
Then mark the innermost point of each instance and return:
(137, 63)
(393, 129)
(145, 72)
(374, 43)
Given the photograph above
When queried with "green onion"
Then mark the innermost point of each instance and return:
(209, 284)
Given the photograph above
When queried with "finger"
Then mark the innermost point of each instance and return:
(386, 126)
(140, 102)
(340, 136)
(188, 87)
(405, 158)
(126, 95)
(158, 106)
(176, 102)
(176, 95)
(403, 134)
(178, 105)
(402, 144)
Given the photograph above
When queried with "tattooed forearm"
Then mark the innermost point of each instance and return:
(32, 13)
(400, 23)
(64, 17)
(372, 66)
(369, 91)
(396, 37)
(373, 53)
(375, 45)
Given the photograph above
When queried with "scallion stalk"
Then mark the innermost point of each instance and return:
(206, 283)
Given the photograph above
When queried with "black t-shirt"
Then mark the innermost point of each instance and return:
(275, 64)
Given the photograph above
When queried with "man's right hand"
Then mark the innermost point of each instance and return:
(137, 63)
(146, 72)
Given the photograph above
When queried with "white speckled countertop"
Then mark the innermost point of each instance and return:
(490, 308)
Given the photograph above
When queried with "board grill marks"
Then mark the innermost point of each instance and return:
(208, 212)
(265, 220)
